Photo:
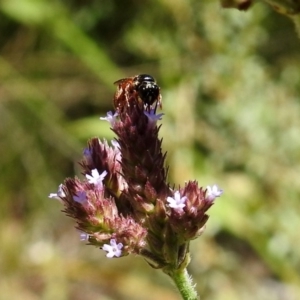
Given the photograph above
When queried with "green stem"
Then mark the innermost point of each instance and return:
(184, 284)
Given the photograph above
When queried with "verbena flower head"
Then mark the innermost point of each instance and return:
(124, 203)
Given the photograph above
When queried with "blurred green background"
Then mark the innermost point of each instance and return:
(230, 82)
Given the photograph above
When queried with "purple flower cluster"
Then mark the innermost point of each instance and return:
(125, 204)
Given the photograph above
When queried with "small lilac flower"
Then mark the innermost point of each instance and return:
(212, 192)
(60, 193)
(152, 116)
(110, 117)
(177, 201)
(84, 236)
(87, 153)
(113, 249)
(96, 178)
(80, 197)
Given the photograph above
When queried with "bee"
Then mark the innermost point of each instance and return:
(142, 88)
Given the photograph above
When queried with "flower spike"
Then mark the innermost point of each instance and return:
(124, 203)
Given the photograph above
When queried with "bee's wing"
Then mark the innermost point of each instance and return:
(122, 80)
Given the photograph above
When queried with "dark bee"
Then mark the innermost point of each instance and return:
(141, 87)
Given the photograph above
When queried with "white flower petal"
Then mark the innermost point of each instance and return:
(113, 249)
